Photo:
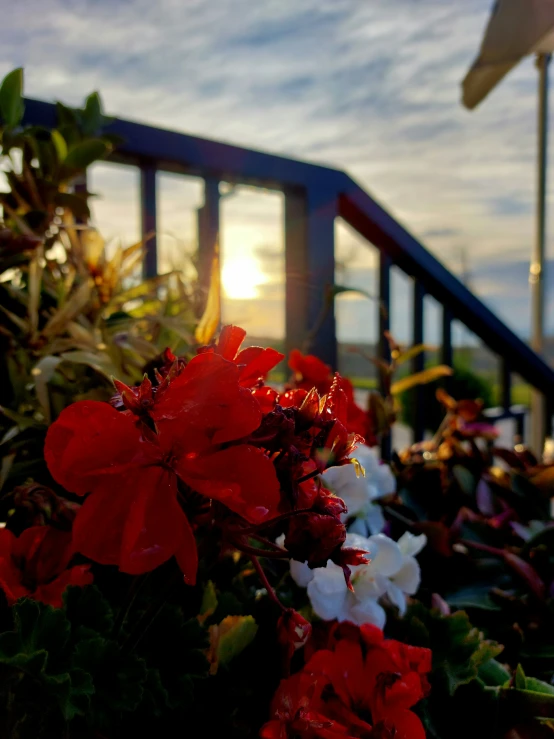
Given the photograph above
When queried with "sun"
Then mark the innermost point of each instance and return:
(241, 277)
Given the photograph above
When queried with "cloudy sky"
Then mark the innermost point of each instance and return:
(370, 86)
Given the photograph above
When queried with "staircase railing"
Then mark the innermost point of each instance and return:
(314, 196)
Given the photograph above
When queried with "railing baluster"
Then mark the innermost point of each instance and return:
(148, 218)
(447, 355)
(208, 236)
(385, 263)
(505, 384)
(310, 270)
(418, 363)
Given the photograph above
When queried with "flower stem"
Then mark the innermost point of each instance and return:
(265, 582)
(132, 594)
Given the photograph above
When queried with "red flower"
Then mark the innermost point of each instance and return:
(293, 631)
(254, 363)
(314, 538)
(132, 517)
(295, 711)
(34, 565)
(310, 372)
(382, 677)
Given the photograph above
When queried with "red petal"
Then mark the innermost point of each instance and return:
(89, 440)
(205, 405)
(266, 397)
(406, 725)
(257, 363)
(292, 398)
(241, 477)
(230, 339)
(310, 367)
(153, 528)
(10, 575)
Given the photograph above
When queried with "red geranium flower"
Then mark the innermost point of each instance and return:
(296, 711)
(310, 372)
(376, 676)
(254, 363)
(34, 565)
(132, 517)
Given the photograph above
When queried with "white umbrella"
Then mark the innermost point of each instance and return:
(516, 29)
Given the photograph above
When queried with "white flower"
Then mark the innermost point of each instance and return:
(359, 492)
(391, 573)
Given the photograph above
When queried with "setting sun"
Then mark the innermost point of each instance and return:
(241, 278)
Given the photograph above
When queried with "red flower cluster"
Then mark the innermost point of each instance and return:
(361, 685)
(205, 427)
(188, 430)
(34, 565)
(309, 371)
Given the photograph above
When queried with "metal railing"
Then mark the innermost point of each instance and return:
(314, 196)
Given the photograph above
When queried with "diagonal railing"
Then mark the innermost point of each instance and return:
(314, 196)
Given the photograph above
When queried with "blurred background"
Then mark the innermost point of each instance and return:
(369, 87)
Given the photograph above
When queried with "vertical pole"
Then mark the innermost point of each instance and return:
(148, 219)
(418, 363)
(384, 326)
(208, 238)
(447, 355)
(310, 272)
(536, 272)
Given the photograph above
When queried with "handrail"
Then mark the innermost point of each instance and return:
(314, 196)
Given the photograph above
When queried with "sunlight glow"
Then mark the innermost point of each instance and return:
(241, 277)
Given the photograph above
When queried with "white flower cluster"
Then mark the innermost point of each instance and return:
(392, 573)
(359, 492)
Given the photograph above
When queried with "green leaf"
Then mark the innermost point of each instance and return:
(475, 596)
(335, 290)
(92, 114)
(118, 679)
(87, 609)
(60, 144)
(420, 378)
(492, 673)
(458, 648)
(209, 601)
(83, 154)
(11, 97)
(465, 479)
(235, 634)
(39, 647)
(519, 679)
(75, 202)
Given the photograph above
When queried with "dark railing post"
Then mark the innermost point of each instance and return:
(447, 355)
(148, 219)
(505, 384)
(310, 271)
(208, 237)
(418, 363)
(385, 263)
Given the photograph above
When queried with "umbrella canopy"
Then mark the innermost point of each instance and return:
(516, 28)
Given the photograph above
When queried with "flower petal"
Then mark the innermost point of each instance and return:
(396, 597)
(389, 558)
(411, 545)
(327, 592)
(154, 524)
(408, 576)
(90, 439)
(187, 553)
(301, 573)
(241, 477)
(367, 611)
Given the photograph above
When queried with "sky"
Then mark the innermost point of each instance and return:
(368, 86)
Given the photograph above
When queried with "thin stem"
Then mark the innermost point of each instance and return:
(150, 614)
(277, 519)
(482, 547)
(265, 582)
(256, 552)
(399, 516)
(136, 587)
